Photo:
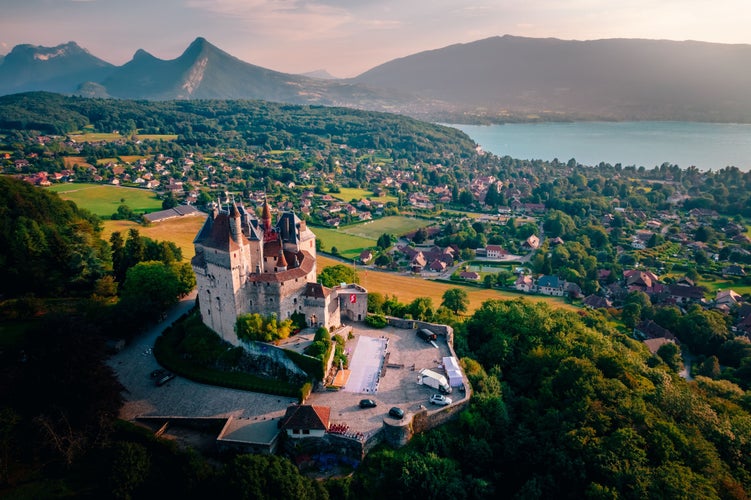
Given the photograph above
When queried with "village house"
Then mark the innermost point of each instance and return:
(727, 298)
(596, 302)
(550, 285)
(366, 256)
(532, 243)
(469, 276)
(524, 283)
(495, 252)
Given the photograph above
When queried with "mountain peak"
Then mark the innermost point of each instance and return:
(142, 55)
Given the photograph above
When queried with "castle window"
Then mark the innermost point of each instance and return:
(294, 301)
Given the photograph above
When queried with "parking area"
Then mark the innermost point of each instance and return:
(405, 356)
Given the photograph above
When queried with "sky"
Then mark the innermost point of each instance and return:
(348, 37)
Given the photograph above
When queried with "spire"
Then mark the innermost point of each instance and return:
(266, 215)
(281, 262)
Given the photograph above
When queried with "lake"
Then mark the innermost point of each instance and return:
(703, 145)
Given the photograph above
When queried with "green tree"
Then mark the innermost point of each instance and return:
(169, 201)
(422, 308)
(385, 241)
(420, 236)
(703, 331)
(130, 467)
(260, 477)
(334, 275)
(150, 288)
(710, 367)
(255, 327)
(456, 299)
(670, 353)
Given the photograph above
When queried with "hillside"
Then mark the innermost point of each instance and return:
(610, 79)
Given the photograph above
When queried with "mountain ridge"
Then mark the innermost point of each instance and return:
(495, 79)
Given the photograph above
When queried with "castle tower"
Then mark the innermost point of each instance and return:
(266, 221)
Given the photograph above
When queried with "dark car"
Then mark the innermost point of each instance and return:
(164, 378)
(426, 335)
(396, 412)
(367, 403)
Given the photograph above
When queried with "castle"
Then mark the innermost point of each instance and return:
(245, 265)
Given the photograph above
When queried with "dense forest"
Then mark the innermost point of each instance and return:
(234, 124)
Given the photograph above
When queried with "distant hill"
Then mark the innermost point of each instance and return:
(55, 69)
(321, 74)
(494, 80)
(613, 79)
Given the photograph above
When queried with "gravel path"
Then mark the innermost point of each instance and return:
(180, 396)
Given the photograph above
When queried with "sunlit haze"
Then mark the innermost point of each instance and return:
(347, 37)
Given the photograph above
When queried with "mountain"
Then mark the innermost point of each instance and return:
(321, 74)
(494, 80)
(611, 79)
(204, 71)
(55, 69)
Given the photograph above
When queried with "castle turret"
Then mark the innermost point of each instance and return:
(281, 262)
(235, 222)
(266, 217)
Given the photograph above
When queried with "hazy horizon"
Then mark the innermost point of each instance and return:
(348, 38)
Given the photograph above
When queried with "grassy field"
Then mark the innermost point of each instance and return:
(408, 288)
(132, 158)
(180, 230)
(349, 245)
(396, 224)
(349, 194)
(103, 199)
(110, 137)
(72, 161)
(738, 285)
(157, 137)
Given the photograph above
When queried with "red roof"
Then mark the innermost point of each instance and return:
(306, 417)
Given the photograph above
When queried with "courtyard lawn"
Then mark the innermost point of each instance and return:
(408, 288)
(395, 224)
(179, 230)
(103, 199)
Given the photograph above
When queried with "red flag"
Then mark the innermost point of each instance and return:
(352, 298)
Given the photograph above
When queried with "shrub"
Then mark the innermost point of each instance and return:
(376, 320)
(322, 334)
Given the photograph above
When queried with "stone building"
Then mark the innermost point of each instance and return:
(246, 265)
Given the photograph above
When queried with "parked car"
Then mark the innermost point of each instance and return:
(440, 399)
(367, 403)
(396, 412)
